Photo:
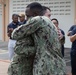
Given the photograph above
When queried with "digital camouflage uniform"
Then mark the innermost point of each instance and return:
(37, 51)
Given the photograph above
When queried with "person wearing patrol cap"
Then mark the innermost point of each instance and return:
(22, 18)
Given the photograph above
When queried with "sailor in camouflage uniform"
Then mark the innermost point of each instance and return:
(37, 51)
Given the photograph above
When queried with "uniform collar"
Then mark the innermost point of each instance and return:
(14, 23)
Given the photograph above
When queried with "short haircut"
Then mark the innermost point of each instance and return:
(55, 20)
(15, 15)
(44, 9)
(35, 6)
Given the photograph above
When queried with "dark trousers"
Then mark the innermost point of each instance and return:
(73, 62)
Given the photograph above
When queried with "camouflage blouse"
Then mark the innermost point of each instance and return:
(37, 51)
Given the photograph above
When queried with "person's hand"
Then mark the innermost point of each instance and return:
(60, 35)
(10, 31)
(69, 33)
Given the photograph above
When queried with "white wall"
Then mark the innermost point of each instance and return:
(63, 10)
(65, 15)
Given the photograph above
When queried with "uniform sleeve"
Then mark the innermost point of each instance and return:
(71, 28)
(30, 27)
(9, 26)
(63, 39)
(9, 31)
(26, 51)
(73, 32)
